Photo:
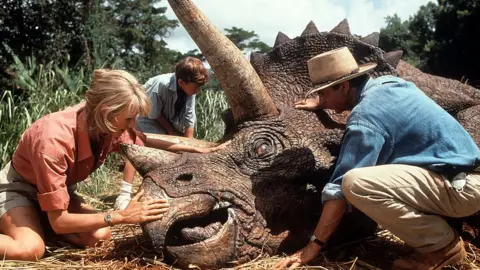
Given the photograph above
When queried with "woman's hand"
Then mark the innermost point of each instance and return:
(310, 104)
(139, 212)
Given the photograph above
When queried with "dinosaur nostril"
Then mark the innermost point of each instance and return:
(185, 177)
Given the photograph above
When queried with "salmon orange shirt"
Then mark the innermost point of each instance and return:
(56, 151)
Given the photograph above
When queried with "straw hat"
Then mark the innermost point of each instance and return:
(333, 67)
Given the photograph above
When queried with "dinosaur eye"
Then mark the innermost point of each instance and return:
(262, 149)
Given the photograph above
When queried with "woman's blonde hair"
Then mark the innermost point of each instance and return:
(110, 93)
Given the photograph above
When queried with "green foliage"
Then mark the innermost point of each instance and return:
(48, 30)
(454, 52)
(209, 107)
(246, 40)
(439, 39)
(102, 183)
(130, 34)
(412, 36)
(46, 88)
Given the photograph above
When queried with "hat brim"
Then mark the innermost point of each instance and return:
(362, 69)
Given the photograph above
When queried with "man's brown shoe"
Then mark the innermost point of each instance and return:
(452, 254)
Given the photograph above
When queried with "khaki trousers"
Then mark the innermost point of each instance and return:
(410, 201)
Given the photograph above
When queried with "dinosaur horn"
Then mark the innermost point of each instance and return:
(145, 159)
(246, 94)
(171, 140)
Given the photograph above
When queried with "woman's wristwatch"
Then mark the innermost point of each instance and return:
(317, 241)
(108, 219)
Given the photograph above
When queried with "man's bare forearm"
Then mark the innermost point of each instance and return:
(332, 214)
(166, 125)
(189, 132)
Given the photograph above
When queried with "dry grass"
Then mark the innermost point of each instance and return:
(128, 249)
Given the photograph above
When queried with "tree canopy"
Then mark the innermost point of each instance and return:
(441, 38)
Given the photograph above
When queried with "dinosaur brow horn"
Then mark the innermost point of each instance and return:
(245, 92)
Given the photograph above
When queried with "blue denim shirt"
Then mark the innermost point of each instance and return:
(394, 122)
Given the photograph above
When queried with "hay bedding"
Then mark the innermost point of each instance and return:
(128, 249)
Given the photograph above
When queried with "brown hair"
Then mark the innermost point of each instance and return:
(191, 69)
(111, 92)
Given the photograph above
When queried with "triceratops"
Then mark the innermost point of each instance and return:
(262, 193)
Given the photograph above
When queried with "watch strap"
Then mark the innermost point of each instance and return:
(318, 241)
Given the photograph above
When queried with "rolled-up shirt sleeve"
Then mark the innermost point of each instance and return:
(190, 116)
(51, 174)
(361, 147)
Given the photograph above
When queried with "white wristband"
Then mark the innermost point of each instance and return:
(125, 187)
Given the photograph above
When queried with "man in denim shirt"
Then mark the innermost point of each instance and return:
(397, 164)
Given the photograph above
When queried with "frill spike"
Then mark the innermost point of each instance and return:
(372, 39)
(310, 29)
(281, 38)
(342, 28)
(393, 57)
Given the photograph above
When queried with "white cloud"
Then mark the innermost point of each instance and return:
(267, 17)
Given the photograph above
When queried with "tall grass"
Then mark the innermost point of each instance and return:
(209, 107)
(42, 89)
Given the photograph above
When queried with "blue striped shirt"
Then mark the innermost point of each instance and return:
(162, 90)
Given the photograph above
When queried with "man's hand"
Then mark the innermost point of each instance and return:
(301, 257)
(311, 104)
(332, 213)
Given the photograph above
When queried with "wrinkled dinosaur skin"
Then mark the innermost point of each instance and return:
(262, 193)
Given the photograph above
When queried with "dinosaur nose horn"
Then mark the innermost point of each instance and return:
(145, 159)
(245, 92)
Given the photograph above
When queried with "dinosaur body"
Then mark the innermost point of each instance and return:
(262, 193)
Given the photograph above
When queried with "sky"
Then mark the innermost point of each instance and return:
(267, 17)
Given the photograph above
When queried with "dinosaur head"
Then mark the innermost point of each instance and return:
(263, 192)
(234, 204)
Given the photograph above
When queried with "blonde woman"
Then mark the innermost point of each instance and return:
(62, 149)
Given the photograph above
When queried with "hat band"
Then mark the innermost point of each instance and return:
(356, 70)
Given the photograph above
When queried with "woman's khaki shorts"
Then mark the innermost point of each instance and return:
(15, 192)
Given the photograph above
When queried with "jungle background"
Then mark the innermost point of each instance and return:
(49, 49)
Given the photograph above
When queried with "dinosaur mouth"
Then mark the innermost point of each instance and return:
(198, 229)
(194, 228)
(194, 241)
